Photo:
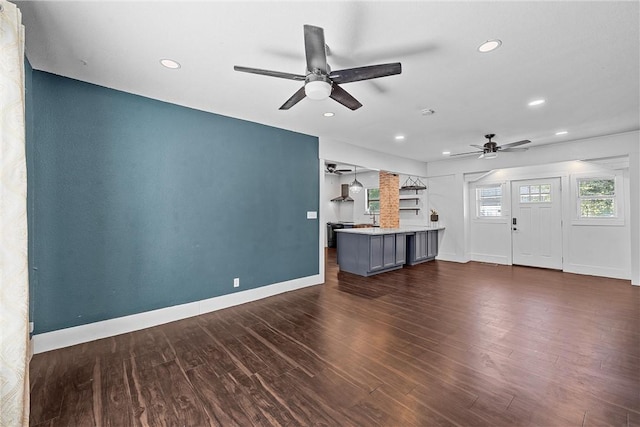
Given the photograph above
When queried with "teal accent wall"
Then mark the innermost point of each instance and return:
(140, 204)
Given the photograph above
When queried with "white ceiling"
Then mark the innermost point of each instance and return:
(582, 57)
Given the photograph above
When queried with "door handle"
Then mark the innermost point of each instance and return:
(515, 229)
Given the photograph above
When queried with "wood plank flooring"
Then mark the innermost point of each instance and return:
(436, 344)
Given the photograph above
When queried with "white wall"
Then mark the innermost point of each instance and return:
(596, 249)
(612, 251)
(331, 190)
(446, 196)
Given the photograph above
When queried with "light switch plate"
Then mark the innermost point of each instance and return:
(312, 215)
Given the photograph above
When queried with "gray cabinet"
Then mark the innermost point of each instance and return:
(422, 246)
(389, 250)
(401, 248)
(365, 254)
(383, 252)
(376, 251)
(432, 244)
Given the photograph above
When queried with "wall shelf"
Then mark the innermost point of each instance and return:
(413, 184)
(410, 209)
(416, 199)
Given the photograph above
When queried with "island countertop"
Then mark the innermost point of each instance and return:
(382, 231)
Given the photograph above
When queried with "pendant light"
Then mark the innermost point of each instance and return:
(356, 185)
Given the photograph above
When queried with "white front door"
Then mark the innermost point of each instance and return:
(536, 223)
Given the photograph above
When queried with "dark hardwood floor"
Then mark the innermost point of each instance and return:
(435, 344)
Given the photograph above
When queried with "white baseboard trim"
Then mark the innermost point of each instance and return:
(452, 258)
(491, 259)
(613, 273)
(79, 334)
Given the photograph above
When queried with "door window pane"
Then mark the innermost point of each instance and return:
(535, 193)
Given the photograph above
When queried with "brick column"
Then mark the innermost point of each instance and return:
(389, 200)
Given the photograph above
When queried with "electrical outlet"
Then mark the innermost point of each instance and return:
(236, 282)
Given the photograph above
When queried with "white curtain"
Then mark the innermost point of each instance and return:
(14, 282)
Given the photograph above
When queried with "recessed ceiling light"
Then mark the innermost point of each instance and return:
(329, 114)
(170, 63)
(399, 137)
(536, 102)
(427, 112)
(446, 153)
(489, 45)
(562, 132)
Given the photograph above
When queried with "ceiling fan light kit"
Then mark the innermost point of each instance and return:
(317, 90)
(319, 81)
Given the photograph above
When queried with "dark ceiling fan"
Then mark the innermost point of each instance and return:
(333, 168)
(319, 81)
(490, 148)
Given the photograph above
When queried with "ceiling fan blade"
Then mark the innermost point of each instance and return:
(512, 149)
(344, 98)
(297, 97)
(468, 153)
(481, 147)
(514, 144)
(314, 48)
(365, 73)
(270, 73)
(344, 170)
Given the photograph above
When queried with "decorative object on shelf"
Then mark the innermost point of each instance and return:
(434, 215)
(356, 185)
(413, 184)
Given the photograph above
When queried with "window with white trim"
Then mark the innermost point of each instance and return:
(596, 197)
(373, 200)
(489, 201)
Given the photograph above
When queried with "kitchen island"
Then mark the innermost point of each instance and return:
(369, 251)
